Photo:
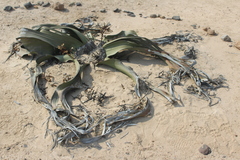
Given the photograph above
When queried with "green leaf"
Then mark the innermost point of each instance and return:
(70, 30)
(120, 34)
(36, 46)
(53, 39)
(129, 43)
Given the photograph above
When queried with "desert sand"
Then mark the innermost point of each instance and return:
(170, 132)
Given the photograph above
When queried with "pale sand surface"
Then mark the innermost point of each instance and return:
(171, 132)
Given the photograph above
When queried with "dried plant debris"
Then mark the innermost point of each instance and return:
(189, 51)
(180, 36)
(80, 43)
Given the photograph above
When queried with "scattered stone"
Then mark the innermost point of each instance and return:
(40, 3)
(177, 18)
(78, 4)
(28, 5)
(153, 16)
(211, 32)
(163, 17)
(8, 8)
(206, 28)
(226, 38)
(230, 45)
(58, 6)
(46, 4)
(16, 7)
(237, 45)
(130, 14)
(205, 149)
(103, 10)
(71, 4)
(194, 26)
(117, 10)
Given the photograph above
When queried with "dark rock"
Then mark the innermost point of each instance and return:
(177, 18)
(205, 149)
(78, 4)
(71, 4)
(153, 16)
(131, 14)
(117, 10)
(226, 38)
(46, 4)
(8, 8)
(103, 10)
(28, 5)
(58, 6)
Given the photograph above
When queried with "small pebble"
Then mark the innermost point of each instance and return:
(211, 32)
(177, 18)
(131, 15)
(8, 8)
(163, 17)
(103, 10)
(226, 38)
(46, 4)
(117, 10)
(237, 45)
(205, 149)
(153, 16)
(28, 5)
(194, 26)
(16, 7)
(206, 28)
(40, 3)
(71, 4)
(78, 4)
(59, 6)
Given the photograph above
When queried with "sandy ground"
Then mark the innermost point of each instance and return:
(171, 132)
